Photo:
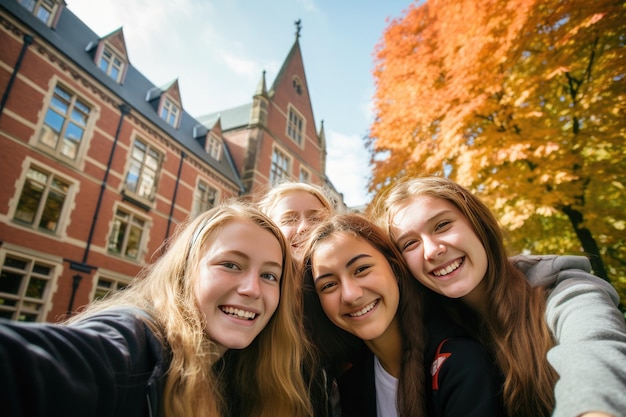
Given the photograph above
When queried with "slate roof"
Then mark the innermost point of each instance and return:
(71, 36)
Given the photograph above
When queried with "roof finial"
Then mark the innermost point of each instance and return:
(298, 27)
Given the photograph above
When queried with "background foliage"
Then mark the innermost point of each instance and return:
(522, 101)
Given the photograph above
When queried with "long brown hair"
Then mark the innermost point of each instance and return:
(514, 328)
(411, 390)
(264, 381)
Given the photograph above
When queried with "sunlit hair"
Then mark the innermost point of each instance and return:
(514, 328)
(275, 194)
(411, 390)
(264, 376)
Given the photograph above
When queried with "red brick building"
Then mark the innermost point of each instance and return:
(98, 165)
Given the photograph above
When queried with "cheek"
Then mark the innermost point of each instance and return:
(328, 305)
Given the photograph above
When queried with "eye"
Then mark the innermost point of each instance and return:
(359, 270)
(230, 265)
(442, 225)
(270, 276)
(408, 245)
(326, 286)
(317, 217)
(289, 220)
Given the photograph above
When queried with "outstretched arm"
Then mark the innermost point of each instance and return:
(590, 336)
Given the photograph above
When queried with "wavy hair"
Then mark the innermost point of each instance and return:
(514, 329)
(411, 390)
(263, 376)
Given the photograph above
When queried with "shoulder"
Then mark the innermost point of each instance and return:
(460, 357)
(546, 270)
(465, 380)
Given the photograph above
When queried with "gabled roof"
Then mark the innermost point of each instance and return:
(71, 36)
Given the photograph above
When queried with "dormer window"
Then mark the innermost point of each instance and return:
(43, 10)
(214, 147)
(111, 64)
(169, 112)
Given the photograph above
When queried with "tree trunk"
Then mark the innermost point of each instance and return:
(590, 247)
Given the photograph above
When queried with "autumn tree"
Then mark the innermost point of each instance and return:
(523, 101)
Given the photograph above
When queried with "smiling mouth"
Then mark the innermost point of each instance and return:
(448, 269)
(239, 313)
(365, 309)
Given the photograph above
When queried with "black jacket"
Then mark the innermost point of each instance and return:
(110, 364)
(466, 383)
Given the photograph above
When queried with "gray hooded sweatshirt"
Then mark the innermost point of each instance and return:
(589, 331)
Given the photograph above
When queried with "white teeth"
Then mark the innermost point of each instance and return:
(364, 310)
(445, 271)
(242, 314)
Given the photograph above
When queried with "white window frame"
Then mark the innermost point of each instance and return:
(113, 62)
(68, 201)
(74, 114)
(305, 175)
(169, 112)
(26, 304)
(214, 147)
(295, 126)
(280, 168)
(141, 169)
(44, 10)
(202, 197)
(115, 280)
(132, 218)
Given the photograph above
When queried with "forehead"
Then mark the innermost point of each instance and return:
(240, 234)
(297, 201)
(419, 209)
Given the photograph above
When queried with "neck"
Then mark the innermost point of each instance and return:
(388, 349)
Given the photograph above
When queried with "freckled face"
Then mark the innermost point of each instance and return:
(357, 288)
(440, 246)
(295, 215)
(238, 287)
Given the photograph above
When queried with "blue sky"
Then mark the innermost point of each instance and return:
(217, 49)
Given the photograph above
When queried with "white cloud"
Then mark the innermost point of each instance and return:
(347, 166)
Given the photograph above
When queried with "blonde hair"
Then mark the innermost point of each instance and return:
(265, 369)
(514, 328)
(275, 194)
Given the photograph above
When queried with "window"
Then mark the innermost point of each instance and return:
(295, 126)
(42, 9)
(214, 147)
(111, 64)
(169, 112)
(305, 176)
(106, 286)
(280, 167)
(204, 198)
(142, 172)
(41, 201)
(297, 85)
(126, 236)
(23, 288)
(64, 124)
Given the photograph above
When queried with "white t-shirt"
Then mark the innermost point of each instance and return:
(386, 388)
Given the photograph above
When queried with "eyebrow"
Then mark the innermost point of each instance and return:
(428, 220)
(246, 256)
(350, 262)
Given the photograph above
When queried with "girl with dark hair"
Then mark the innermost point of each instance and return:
(365, 290)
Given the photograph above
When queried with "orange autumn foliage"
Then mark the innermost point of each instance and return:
(522, 101)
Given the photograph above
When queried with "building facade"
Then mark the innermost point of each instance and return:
(98, 166)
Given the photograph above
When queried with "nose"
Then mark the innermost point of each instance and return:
(304, 225)
(350, 291)
(250, 285)
(433, 248)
